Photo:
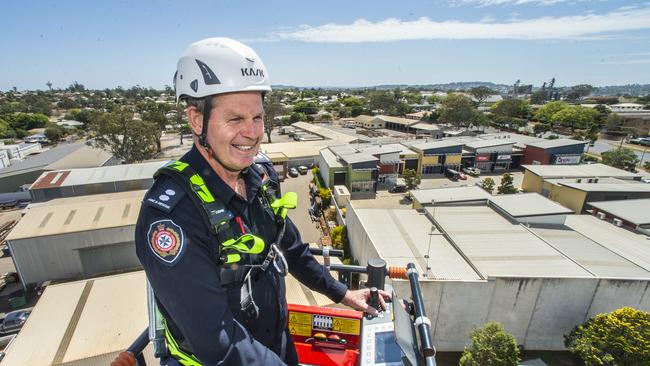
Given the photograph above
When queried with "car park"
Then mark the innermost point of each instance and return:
(462, 176)
(302, 170)
(452, 174)
(14, 320)
(293, 172)
(470, 170)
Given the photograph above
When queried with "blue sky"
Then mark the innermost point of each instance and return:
(330, 43)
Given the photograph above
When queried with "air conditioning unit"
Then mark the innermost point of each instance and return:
(601, 215)
(618, 222)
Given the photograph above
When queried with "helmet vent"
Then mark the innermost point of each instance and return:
(194, 85)
(208, 76)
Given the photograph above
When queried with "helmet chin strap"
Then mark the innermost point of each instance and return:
(203, 137)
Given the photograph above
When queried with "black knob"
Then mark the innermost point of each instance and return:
(374, 299)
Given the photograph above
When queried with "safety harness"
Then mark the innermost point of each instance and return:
(232, 246)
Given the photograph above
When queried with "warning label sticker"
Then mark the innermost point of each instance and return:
(344, 325)
(299, 318)
(300, 330)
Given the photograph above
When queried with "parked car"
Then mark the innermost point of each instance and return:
(397, 189)
(293, 172)
(452, 174)
(470, 170)
(302, 170)
(14, 320)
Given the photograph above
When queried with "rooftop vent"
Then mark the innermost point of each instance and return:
(618, 222)
(601, 215)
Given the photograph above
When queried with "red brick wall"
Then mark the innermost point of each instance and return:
(532, 153)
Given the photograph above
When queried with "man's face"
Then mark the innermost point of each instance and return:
(236, 129)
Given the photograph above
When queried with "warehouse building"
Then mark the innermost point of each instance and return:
(28, 170)
(478, 264)
(81, 182)
(556, 152)
(535, 175)
(575, 193)
(529, 208)
(76, 237)
(633, 214)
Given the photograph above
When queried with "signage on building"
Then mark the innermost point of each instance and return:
(567, 159)
(504, 157)
(483, 157)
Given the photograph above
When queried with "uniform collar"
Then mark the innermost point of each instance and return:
(216, 185)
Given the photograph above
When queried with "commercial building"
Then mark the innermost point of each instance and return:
(28, 170)
(633, 214)
(491, 155)
(436, 156)
(556, 152)
(106, 179)
(483, 259)
(21, 151)
(76, 237)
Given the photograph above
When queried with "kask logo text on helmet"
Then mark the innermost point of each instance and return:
(252, 72)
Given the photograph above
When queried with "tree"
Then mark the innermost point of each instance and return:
(4, 127)
(575, 117)
(128, 139)
(621, 337)
(614, 122)
(579, 91)
(511, 112)
(306, 107)
(27, 121)
(481, 93)
(506, 186)
(272, 108)
(538, 97)
(488, 184)
(622, 158)
(491, 346)
(646, 166)
(547, 111)
(339, 237)
(49, 85)
(54, 132)
(155, 114)
(458, 110)
(411, 178)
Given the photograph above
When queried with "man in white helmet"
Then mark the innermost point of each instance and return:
(213, 235)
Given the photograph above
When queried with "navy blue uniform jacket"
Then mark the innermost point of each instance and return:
(174, 246)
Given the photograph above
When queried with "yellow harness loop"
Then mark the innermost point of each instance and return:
(175, 351)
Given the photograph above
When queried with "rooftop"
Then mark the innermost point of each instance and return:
(489, 143)
(62, 178)
(358, 158)
(398, 120)
(578, 171)
(549, 144)
(85, 157)
(74, 214)
(498, 247)
(607, 187)
(436, 144)
(42, 160)
(634, 211)
(528, 204)
(411, 229)
(426, 127)
(446, 195)
(325, 132)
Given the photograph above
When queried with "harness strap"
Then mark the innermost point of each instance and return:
(175, 351)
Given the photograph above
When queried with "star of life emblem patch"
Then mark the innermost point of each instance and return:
(166, 241)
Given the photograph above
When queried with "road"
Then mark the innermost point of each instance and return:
(309, 230)
(605, 145)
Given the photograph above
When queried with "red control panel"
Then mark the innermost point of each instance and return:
(325, 336)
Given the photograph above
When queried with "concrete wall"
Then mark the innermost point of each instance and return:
(532, 182)
(58, 256)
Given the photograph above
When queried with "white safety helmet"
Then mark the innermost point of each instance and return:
(219, 65)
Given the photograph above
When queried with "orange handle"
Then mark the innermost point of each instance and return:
(124, 359)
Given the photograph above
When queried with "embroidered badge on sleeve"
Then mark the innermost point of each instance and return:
(166, 241)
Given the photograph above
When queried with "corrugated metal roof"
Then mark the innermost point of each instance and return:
(426, 126)
(577, 171)
(398, 120)
(402, 236)
(84, 157)
(40, 161)
(634, 211)
(325, 132)
(60, 216)
(528, 204)
(105, 174)
(608, 187)
(489, 143)
(499, 248)
(597, 259)
(358, 158)
(452, 194)
(298, 149)
(548, 144)
(330, 158)
(630, 245)
(436, 144)
(83, 319)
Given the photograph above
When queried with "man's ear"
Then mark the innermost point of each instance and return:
(195, 119)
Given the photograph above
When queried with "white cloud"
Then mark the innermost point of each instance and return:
(586, 26)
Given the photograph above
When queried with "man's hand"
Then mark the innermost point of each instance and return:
(358, 300)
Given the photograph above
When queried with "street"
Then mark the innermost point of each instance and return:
(309, 230)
